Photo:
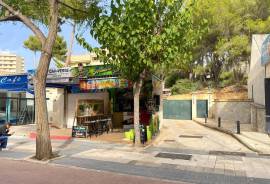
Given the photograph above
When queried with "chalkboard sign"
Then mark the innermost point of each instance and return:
(79, 131)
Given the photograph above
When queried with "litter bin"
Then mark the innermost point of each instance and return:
(143, 134)
(268, 124)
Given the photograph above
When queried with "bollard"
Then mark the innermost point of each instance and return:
(238, 127)
(219, 122)
(205, 118)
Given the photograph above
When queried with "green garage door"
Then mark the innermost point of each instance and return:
(202, 108)
(177, 109)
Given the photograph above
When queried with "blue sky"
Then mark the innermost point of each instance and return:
(13, 35)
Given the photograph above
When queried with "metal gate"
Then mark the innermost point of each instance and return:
(267, 104)
(177, 109)
(202, 108)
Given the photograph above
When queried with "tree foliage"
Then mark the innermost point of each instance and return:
(226, 46)
(59, 48)
(32, 43)
(137, 35)
(44, 19)
(184, 86)
(80, 11)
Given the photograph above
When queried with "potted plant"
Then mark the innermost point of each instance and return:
(81, 109)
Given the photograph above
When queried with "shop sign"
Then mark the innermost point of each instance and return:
(14, 82)
(102, 70)
(59, 73)
(92, 71)
(31, 74)
(107, 83)
(58, 80)
(13, 79)
(265, 51)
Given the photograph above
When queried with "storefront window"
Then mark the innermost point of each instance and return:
(123, 101)
(16, 110)
(90, 107)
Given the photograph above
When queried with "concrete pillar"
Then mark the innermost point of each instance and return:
(194, 105)
(8, 107)
(210, 105)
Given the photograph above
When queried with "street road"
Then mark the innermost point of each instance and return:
(22, 172)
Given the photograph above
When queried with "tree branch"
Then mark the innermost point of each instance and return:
(19, 16)
(10, 18)
(70, 7)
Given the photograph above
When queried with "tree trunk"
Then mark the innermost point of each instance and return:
(136, 92)
(72, 37)
(43, 142)
(161, 103)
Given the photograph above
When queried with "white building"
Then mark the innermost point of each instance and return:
(259, 82)
(11, 63)
(88, 59)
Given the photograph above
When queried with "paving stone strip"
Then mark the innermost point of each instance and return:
(174, 156)
(191, 136)
(227, 153)
(168, 172)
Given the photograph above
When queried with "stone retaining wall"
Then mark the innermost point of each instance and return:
(258, 117)
(232, 110)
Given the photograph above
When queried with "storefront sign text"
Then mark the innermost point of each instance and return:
(14, 82)
(107, 83)
(59, 73)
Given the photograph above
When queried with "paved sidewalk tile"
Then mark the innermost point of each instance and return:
(255, 140)
(202, 168)
(15, 155)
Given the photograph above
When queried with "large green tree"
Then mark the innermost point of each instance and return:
(59, 49)
(140, 37)
(37, 15)
(226, 45)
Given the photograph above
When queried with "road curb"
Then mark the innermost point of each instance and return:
(244, 143)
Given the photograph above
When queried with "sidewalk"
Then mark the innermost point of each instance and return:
(255, 141)
(202, 167)
(186, 134)
(29, 131)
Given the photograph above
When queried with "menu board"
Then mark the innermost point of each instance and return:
(79, 131)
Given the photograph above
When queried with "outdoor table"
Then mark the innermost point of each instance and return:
(97, 124)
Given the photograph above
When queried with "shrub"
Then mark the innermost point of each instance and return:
(183, 86)
(151, 126)
(226, 78)
(171, 80)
